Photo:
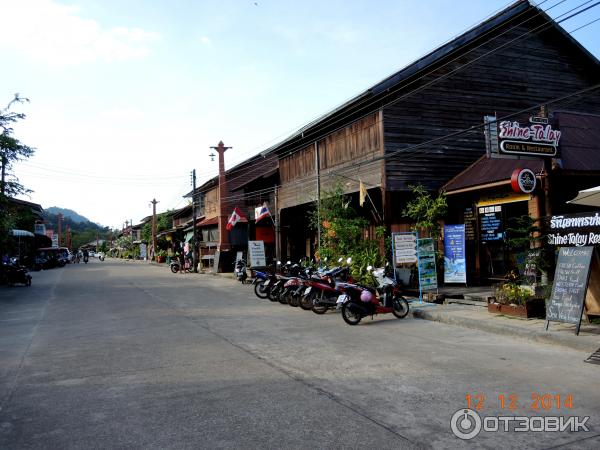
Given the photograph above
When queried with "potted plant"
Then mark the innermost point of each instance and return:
(514, 299)
(161, 256)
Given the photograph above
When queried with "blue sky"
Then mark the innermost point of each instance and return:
(127, 96)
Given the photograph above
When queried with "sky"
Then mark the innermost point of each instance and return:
(128, 96)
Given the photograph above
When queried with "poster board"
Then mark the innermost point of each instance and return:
(455, 262)
(256, 254)
(569, 286)
(426, 264)
(404, 248)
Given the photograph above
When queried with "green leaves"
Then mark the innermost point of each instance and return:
(426, 211)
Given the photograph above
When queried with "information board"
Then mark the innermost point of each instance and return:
(426, 265)
(490, 223)
(256, 254)
(455, 263)
(570, 285)
(404, 247)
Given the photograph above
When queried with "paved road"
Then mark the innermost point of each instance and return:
(127, 355)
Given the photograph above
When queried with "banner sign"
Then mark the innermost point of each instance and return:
(404, 248)
(455, 263)
(426, 264)
(143, 251)
(256, 254)
(575, 229)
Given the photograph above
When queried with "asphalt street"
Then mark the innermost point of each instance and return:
(120, 354)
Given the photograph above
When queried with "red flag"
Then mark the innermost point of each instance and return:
(235, 217)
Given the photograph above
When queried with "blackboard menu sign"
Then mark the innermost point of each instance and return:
(490, 221)
(570, 285)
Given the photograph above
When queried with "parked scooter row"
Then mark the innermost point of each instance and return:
(320, 290)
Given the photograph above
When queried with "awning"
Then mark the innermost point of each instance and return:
(588, 197)
(211, 221)
(22, 233)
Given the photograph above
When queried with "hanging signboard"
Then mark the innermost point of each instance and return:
(256, 254)
(404, 247)
(426, 264)
(533, 139)
(569, 286)
(575, 229)
(455, 263)
(490, 223)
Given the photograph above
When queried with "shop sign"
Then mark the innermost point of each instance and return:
(490, 223)
(470, 220)
(256, 253)
(523, 180)
(455, 263)
(575, 229)
(535, 139)
(404, 247)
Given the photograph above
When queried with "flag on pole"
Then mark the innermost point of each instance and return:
(362, 192)
(261, 212)
(235, 217)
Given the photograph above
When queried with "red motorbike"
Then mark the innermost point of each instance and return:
(359, 301)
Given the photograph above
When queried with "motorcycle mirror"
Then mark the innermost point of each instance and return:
(325, 259)
(349, 260)
(278, 263)
(288, 262)
(369, 268)
(340, 260)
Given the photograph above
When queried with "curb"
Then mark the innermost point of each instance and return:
(542, 336)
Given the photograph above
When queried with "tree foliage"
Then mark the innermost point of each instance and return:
(426, 211)
(11, 149)
(344, 234)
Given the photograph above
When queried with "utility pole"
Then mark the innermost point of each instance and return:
(194, 240)
(59, 217)
(277, 229)
(154, 243)
(318, 171)
(223, 237)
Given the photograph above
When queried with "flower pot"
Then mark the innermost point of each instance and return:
(534, 307)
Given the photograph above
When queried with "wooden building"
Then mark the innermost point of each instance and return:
(424, 123)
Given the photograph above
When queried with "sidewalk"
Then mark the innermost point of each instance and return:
(478, 318)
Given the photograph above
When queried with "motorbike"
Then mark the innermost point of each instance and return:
(323, 292)
(86, 258)
(261, 282)
(16, 274)
(360, 301)
(176, 266)
(240, 270)
(101, 256)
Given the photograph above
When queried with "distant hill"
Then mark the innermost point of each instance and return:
(67, 213)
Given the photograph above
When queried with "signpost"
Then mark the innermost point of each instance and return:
(455, 263)
(570, 286)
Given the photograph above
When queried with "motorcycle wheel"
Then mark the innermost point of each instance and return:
(282, 297)
(294, 300)
(260, 291)
(273, 294)
(306, 301)
(319, 309)
(349, 317)
(400, 307)
(174, 268)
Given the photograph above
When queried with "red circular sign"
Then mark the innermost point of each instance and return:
(523, 180)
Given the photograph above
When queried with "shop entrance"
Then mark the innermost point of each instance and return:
(497, 259)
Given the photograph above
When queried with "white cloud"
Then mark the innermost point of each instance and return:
(55, 34)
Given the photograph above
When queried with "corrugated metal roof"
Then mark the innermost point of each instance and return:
(488, 170)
